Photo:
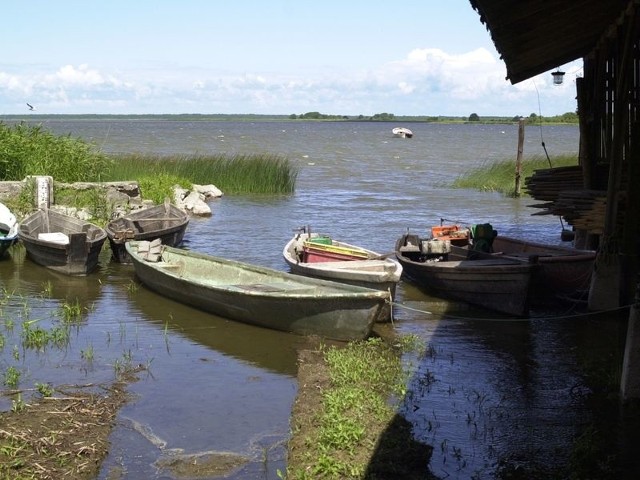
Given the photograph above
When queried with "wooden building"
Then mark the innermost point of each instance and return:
(536, 36)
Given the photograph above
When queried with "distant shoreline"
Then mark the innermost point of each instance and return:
(193, 117)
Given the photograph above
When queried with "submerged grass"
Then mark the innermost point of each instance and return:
(500, 176)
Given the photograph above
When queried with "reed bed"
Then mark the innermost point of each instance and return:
(254, 174)
(500, 175)
(32, 150)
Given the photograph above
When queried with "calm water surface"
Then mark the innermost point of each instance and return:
(484, 390)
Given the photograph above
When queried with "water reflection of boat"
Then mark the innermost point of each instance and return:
(61, 242)
(8, 229)
(18, 274)
(262, 347)
(261, 296)
(166, 222)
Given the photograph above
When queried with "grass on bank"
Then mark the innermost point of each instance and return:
(500, 176)
(346, 425)
(27, 150)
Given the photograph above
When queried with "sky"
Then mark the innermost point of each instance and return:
(362, 57)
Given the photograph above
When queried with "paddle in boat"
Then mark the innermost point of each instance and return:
(61, 242)
(258, 295)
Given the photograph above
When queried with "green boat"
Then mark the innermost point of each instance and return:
(259, 295)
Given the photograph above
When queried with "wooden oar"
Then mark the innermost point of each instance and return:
(151, 219)
(383, 256)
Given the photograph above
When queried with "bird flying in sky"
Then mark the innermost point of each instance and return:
(30, 106)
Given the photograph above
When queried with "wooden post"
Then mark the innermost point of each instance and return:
(519, 156)
(44, 188)
(630, 378)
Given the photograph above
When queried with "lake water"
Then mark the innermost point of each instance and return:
(486, 389)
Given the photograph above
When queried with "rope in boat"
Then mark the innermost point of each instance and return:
(544, 147)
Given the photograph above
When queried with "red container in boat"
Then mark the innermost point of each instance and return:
(453, 233)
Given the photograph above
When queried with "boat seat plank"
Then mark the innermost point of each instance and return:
(351, 263)
(268, 287)
(355, 265)
(529, 254)
(482, 263)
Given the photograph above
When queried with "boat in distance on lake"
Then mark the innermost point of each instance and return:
(402, 132)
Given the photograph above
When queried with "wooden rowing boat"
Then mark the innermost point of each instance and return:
(166, 222)
(561, 272)
(320, 256)
(61, 242)
(258, 295)
(499, 284)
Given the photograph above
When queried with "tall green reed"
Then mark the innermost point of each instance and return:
(31, 150)
(256, 174)
(499, 176)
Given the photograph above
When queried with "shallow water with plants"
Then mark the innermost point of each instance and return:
(488, 393)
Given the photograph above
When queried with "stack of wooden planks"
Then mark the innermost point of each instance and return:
(562, 191)
(546, 184)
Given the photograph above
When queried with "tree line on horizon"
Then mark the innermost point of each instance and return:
(569, 117)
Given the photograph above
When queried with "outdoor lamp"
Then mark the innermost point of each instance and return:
(557, 77)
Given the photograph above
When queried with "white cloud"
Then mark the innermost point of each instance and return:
(424, 82)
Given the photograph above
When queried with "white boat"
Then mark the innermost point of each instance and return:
(8, 229)
(402, 132)
(320, 256)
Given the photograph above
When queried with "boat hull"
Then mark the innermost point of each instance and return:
(166, 222)
(373, 272)
(560, 270)
(77, 256)
(401, 132)
(501, 285)
(261, 296)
